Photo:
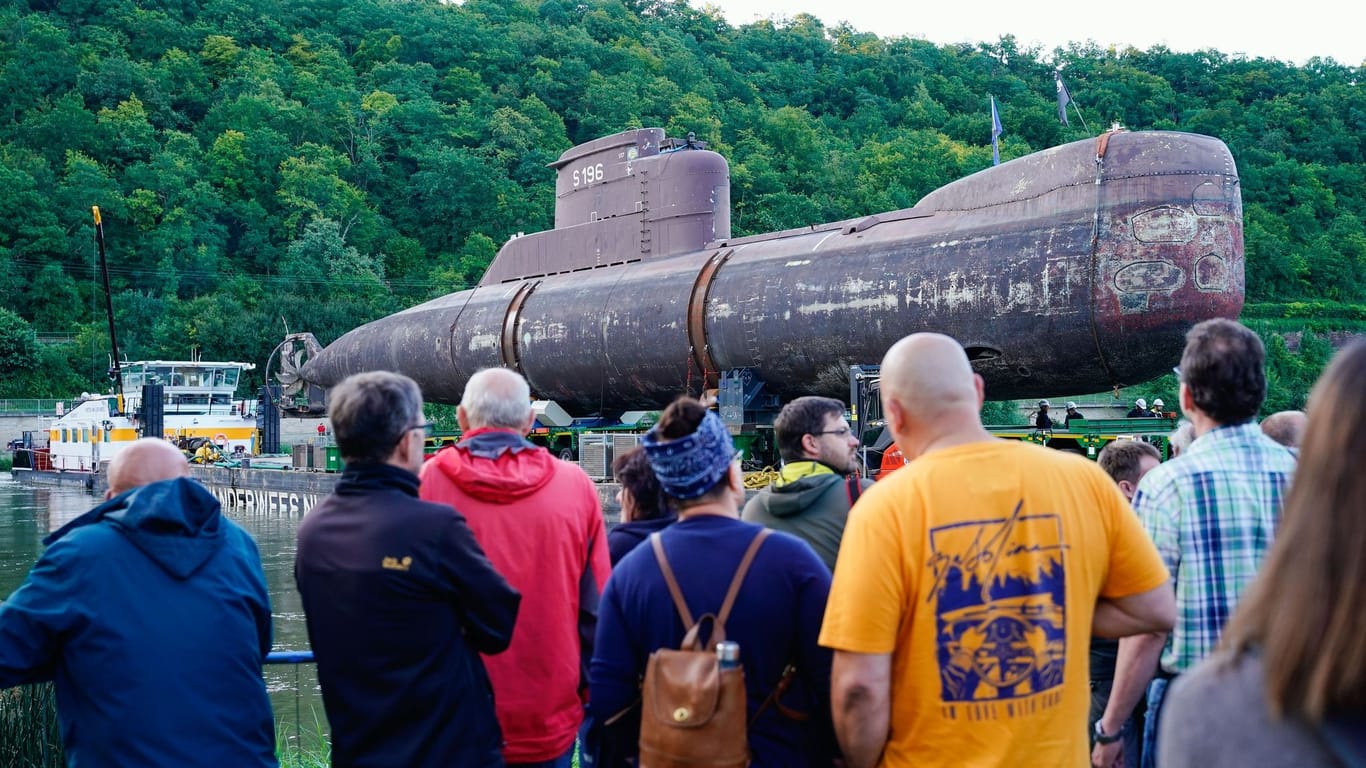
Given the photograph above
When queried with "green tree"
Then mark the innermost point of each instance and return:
(311, 186)
(40, 63)
(29, 230)
(18, 346)
(54, 300)
(220, 55)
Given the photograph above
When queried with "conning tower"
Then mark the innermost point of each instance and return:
(631, 196)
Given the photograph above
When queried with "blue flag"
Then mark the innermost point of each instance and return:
(996, 131)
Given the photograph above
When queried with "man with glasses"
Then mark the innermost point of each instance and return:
(1212, 512)
(540, 520)
(399, 597)
(819, 480)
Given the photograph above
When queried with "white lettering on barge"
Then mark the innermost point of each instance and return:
(282, 503)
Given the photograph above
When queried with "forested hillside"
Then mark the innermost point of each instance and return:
(266, 165)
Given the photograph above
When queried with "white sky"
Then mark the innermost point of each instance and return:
(1291, 31)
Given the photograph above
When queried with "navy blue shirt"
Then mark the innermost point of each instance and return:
(624, 537)
(776, 620)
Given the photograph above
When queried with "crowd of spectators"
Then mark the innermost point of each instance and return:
(982, 605)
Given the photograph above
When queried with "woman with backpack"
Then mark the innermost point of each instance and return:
(706, 578)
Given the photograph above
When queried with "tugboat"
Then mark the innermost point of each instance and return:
(197, 410)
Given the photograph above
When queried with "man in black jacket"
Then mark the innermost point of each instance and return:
(399, 597)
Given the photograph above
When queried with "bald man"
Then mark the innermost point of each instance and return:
(970, 582)
(150, 614)
(1285, 427)
(145, 461)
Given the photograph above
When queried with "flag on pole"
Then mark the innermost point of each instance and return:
(1064, 98)
(996, 131)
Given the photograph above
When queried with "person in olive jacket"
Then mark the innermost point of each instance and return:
(399, 598)
(819, 480)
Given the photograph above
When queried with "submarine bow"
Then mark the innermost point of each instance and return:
(1075, 269)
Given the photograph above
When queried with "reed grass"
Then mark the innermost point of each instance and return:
(28, 728)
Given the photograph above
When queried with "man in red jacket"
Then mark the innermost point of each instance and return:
(540, 523)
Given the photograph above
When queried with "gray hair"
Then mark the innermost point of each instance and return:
(497, 398)
(370, 413)
(1182, 437)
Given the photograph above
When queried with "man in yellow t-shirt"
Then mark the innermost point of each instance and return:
(970, 582)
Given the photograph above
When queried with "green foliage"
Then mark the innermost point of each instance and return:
(18, 347)
(264, 166)
(1315, 309)
(28, 722)
(303, 745)
(443, 416)
(1290, 375)
(1001, 412)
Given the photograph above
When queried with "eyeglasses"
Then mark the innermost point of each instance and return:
(427, 428)
(841, 432)
(1177, 371)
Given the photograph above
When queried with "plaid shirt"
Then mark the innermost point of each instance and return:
(1212, 512)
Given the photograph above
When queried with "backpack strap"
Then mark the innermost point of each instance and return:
(775, 696)
(740, 577)
(853, 486)
(718, 620)
(683, 613)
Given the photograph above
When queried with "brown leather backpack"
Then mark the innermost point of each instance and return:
(692, 711)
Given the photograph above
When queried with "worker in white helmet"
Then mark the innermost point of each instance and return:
(1072, 415)
(1043, 420)
(1140, 409)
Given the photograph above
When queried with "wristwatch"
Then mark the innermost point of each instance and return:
(1103, 738)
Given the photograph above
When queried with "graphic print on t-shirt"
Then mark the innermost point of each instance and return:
(999, 594)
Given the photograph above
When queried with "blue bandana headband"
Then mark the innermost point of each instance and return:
(690, 466)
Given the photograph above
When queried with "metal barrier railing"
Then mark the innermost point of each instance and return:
(12, 406)
(32, 737)
(301, 735)
(289, 657)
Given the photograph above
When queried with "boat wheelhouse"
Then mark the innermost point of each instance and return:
(197, 405)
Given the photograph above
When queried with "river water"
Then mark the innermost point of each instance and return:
(27, 514)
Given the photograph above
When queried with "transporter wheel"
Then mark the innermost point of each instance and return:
(567, 454)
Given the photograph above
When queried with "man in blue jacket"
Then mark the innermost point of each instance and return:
(399, 597)
(151, 615)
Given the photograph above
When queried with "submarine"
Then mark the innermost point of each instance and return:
(1074, 269)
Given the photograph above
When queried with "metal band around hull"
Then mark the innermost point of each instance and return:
(697, 317)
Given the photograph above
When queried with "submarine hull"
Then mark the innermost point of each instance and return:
(1071, 270)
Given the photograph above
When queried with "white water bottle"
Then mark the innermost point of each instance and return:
(728, 654)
